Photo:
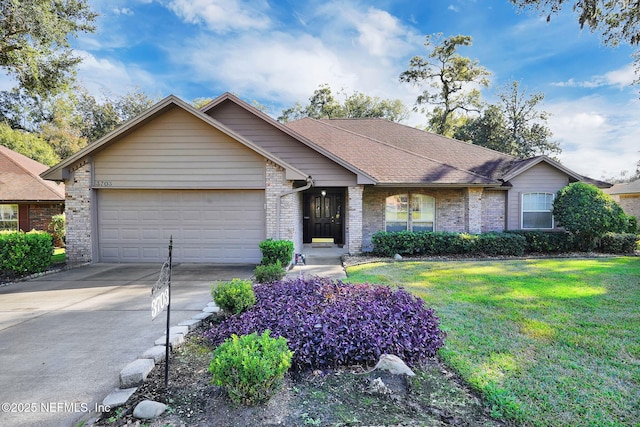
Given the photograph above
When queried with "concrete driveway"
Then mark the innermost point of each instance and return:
(65, 337)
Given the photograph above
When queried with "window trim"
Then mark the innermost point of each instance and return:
(17, 220)
(409, 222)
(550, 211)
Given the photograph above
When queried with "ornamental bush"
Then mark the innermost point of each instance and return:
(25, 253)
(234, 296)
(329, 323)
(588, 213)
(276, 250)
(250, 367)
(269, 273)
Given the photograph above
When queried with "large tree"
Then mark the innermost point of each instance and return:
(34, 41)
(617, 21)
(323, 105)
(451, 81)
(28, 144)
(514, 126)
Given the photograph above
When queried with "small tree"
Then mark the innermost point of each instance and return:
(587, 212)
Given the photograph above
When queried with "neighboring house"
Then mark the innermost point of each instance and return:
(221, 179)
(628, 197)
(27, 202)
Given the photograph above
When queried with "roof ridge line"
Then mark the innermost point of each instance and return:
(404, 150)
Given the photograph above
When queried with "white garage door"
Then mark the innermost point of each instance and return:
(217, 226)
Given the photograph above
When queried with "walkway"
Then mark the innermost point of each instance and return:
(320, 261)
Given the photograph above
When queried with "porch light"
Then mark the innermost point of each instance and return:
(323, 192)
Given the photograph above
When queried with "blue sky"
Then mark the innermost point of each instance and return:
(279, 52)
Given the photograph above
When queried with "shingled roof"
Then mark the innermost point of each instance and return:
(20, 180)
(397, 154)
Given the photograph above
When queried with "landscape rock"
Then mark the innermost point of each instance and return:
(397, 257)
(158, 353)
(135, 373)
(118, 397)
(148, 410)
(394, 365)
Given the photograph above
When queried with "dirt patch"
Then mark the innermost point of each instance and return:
(341, 397)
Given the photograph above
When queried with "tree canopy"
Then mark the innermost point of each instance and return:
(28, 144)
(323, 105)
(450, 81)
(514, 125)
(617, 21)
(34, 41)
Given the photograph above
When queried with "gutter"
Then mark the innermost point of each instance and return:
(307, 186)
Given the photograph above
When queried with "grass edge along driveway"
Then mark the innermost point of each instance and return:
(547, 342)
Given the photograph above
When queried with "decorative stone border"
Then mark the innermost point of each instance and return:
(136, 372)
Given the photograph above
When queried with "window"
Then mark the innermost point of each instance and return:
(413, 212)
(536, 210)
(9, 217)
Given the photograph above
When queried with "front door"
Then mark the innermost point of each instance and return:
(324, 215)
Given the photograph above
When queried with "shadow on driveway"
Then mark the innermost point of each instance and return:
(66, 336)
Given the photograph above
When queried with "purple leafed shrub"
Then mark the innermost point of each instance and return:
(332, 323)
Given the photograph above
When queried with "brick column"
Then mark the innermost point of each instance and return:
(474, 210)
(354, 221)
(290, 210)
(77, 209)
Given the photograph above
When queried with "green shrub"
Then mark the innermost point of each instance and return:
(619, 243)
(546, 241)
(633, 225)
(269, 273)
(251, 367)
(58, 230)
(25, 253)
(276, 250)
(235, 296)
(446, 243)
(495, 244)
(587, 212)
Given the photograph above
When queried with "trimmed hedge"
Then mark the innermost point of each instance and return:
(619, 243)
(447, 243)
(546, 241)
(25, 253)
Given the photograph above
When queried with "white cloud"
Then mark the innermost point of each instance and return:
(599, 138)
(223, 15)
(123, 11)
(347, 48)
(102, 75)
(621, 78)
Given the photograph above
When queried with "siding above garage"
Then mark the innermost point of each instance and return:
(177, 150)
(325, 172)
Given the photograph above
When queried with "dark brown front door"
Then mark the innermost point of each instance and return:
(324, 215)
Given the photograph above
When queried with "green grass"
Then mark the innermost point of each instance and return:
(59, 256)
(552, 342)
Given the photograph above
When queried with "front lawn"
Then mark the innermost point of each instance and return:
(546, 342)
(59, 256)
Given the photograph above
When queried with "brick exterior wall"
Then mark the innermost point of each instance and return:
(354, 226)
(290, 207)
(473, 210)
(493, 211)
(458, 210)
(40, 215)
(78, 215)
